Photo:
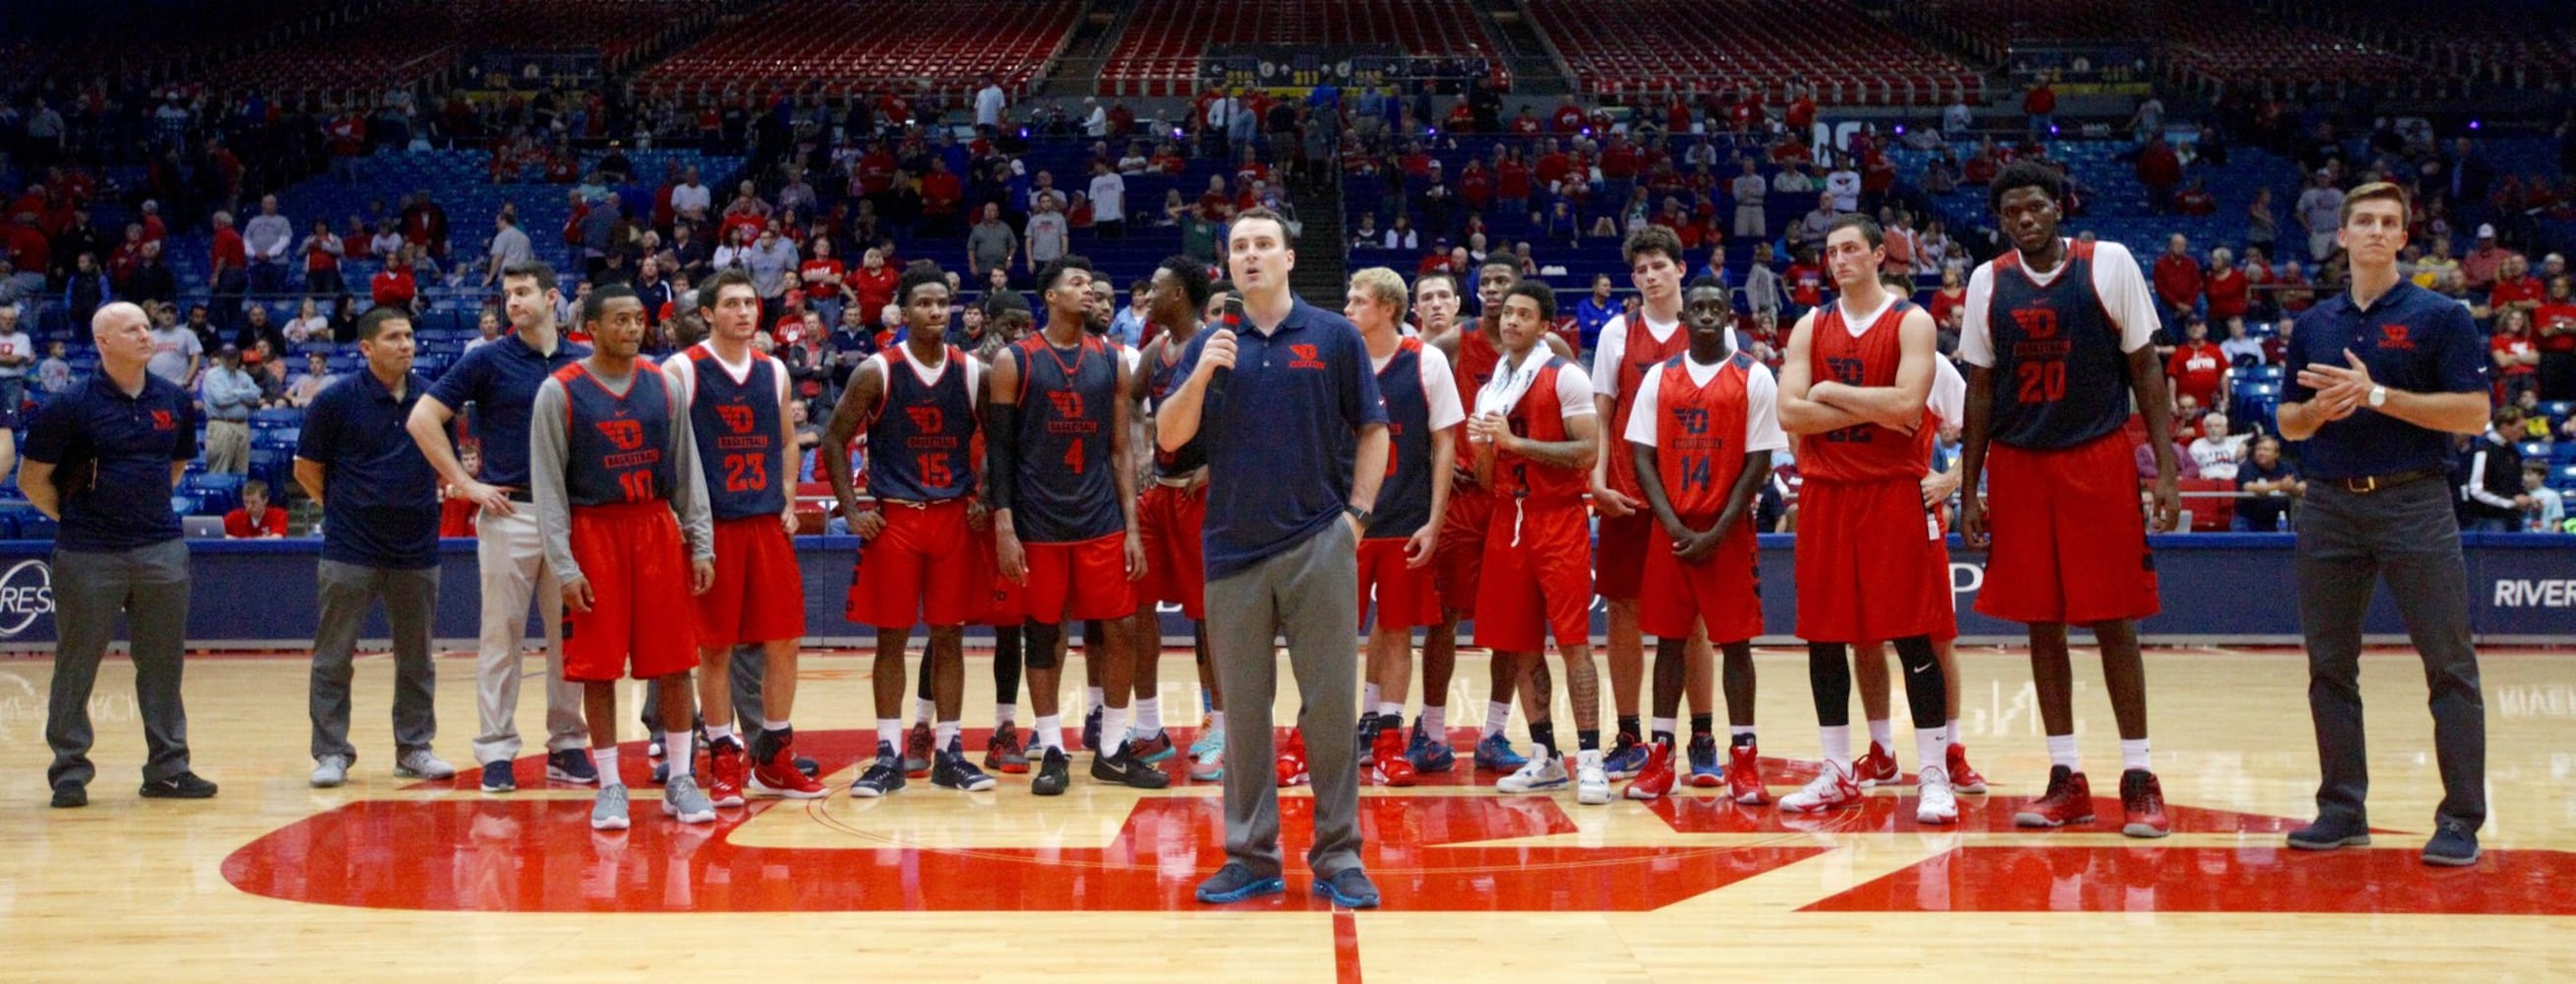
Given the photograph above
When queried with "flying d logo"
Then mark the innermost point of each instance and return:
(625, 435)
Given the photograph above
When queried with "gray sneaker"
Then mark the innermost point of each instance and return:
(330, 771)
(682, 800)
(419, 763)
(608, 812)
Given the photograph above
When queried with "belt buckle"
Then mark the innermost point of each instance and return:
(2364, 485)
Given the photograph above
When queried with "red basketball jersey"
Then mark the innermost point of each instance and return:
(1699, 435)
(1540, 416)
(1643, 355)
(1862, 452)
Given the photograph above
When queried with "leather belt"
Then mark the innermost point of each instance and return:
(519, 495)
(2366, 484)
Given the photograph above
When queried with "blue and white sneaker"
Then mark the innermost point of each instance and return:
(1625, 758)
(1494, 754)
(1704, 770)
(1542, 773)
(571, 765)
(1207, 756)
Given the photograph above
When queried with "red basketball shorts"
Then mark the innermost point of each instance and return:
(1455, 565)
(1871, 564)
(2070, 541)
(1405, 595)
(915, 568)
(1168, 522)
(1619, 559)
(1723, 589)
(996, 600)
(1079, 581)
(638, 620)
(1539, 588)
(759, 594)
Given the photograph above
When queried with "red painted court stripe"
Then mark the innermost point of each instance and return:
(1346, 947)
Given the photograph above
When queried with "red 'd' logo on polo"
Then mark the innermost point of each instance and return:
(162, 421)
(2394, 337)
(1306, 358)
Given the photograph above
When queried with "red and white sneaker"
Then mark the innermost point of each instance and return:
(1832, 788)
(1878, 768)
(1655, 776)
(779, 777)
(1387, 764)
(1291, 768)
(2142, 804)
(725, 773)
(2069, 799)
(1962, 778)
(1744, 776)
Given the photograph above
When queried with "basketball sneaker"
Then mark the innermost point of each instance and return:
(1832, 788)
(2069, 799)
(571, 765)
(420, 764)
(778, 775)
(1002, 752)
(1055, 772)
(1208, 737)
(1494, 754)
(1704, 772)
(1291, 768)
(1655, 778)
(1540, 773)
(1934, 803)
(1150, 750)
(2142, 804)
(1878, 768)
(1626, 756)
(497, 777)
(1744, 776)
(726, 773)
(1962, 778)
(1429, 752)
(917, 748)
(1114, 766)
(1207, 756)
(683, 801)
(608, 810)
(952, 771)
(883, 776)
(1388, 765)
(1091, 729)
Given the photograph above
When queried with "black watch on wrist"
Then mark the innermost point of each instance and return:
(1360, 514)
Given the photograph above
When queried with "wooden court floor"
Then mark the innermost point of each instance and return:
(384, 880)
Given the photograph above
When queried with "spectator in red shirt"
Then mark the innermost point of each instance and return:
(2196, 200)
(2197, 368)
(1801, 117)
(2178, 283)
(2514, 285)
(2039, 105)
(2159, 169)
(2516, 355)
(940, 195)
(393, 286)
(228, 263)
(1951, 297)
(2295, 293)
(255, 519)
(1568, 117)
(2226, 288)
(2556, 340)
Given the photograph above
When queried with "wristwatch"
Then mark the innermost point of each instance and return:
(2378, 397)
(1360, 514)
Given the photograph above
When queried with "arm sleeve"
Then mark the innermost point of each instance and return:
(682, 376)
(1642, 413)
(1976, 336)
(548, 446)
(1440, 390)
(1607, 353)
(2124, 294)
(689, 496)
(1574, 396)
(1949, 399)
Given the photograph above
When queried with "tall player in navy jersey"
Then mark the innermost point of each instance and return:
(1170, 515)
(737, 405)
(916, 403)
(1062, 489)
(611, 460)
(2059, 340)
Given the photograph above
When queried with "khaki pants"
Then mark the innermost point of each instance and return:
(227, 446)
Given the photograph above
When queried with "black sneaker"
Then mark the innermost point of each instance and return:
(497, 777)
(952, 771)
(1235, 883)
(808, 766)
(882, 777)
(1054, 774)
(184, 786)
(2329, 833)
(1091, 730)
(70, 795)
(1348, 888)
(2454, 845)
(1116, 767)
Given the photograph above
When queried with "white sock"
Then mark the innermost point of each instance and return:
(775, 724)
(1216, 723)
(1149, 716)
(1098, 699)
(1369, 694)
(1931, 748)
(682, 746)
(1837, 745)
(890, 733)
(1497, 714)
(718, 732)
(2061, 751)
(1005, 713)
(1113, 727)
(1660, 726)
(1391, 709)
(924, 711)
(1952, 730)
(946, 732)
(1734, 731)
(1050, 730)
(606, 760)
(2133, 754)
(1435, 722)
(1882, 733)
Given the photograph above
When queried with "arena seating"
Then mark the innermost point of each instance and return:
(1991, 28)
(877, 44)
(1159, 53)
(1850, 58)
(619, 30)
(2524, 47)
(2226, 45)
(393, 48)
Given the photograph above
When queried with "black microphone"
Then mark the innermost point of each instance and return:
(1232, 320)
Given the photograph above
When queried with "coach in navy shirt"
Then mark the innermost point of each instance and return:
(1296, 443)
(2380, 378)
(379, 542)
(102, 457)
(501, 380)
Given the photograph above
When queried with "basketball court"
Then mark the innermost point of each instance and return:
(386, 879)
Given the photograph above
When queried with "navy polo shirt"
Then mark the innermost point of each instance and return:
(112, 453)
(501, 380)
(379, 494)
(2412, 339)
(1279, 437)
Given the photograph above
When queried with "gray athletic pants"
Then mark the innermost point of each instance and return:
(2407, 535)
(149, 586)
(1310, 594)
(750, 666)
(410, 597)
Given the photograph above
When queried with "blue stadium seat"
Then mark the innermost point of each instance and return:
(36, 526)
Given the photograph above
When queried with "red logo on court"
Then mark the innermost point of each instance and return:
(2394, 337)
(1068, 403)
(624, 435)
(736, 417)
(926, 419)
